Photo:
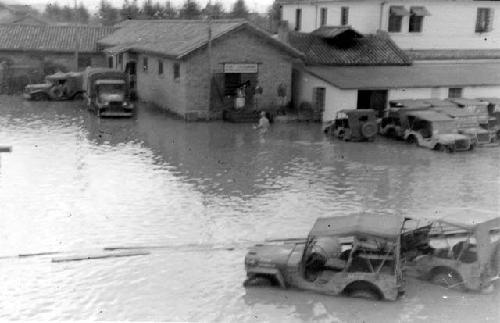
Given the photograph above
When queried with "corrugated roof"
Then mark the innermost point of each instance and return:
(414, 76)
(178, 38)
(366, 50)
(51, 38)
(446, 54)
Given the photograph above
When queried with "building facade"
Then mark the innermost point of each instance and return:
(195, 70)
(454, 48)
(412, 24)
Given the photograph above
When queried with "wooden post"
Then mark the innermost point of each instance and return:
(210, 107)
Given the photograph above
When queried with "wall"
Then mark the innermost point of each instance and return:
(275, 67)
(450, 26)
(162, 90)
(335, 99)
(442, 93)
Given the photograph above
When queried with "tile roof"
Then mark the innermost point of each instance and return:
(362, 50)
(177, 38)
(444, 54)
(414, 76)
(51, 38)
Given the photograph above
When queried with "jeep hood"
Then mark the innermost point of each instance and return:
(276, 255)
(41, 86)
(111, 97)
(451, 137)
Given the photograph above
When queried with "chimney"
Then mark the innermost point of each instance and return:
(283, 31)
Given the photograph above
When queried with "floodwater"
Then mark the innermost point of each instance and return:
(204, 192)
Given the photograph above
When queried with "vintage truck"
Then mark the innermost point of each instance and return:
(356, 255)
(468, 124)
(481, 110)
(395, 121)
(437, 131)
(455, 255)
(107, 92)
(57, 87)
(353, 125)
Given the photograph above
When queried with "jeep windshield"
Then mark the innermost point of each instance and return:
(444, 126)
(110, 88)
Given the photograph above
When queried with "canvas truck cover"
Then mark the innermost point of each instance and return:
(429, 115)
(93, 74)
(386, 226)
(410, 104)
(440, 103)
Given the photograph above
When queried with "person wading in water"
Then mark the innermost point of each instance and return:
(263, 124)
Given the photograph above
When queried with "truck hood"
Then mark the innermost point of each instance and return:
(475, 131)
(111, 97)
(41, 86)
(270, 255)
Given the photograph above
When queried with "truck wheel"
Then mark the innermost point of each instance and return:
(362, 289)
(447, 278)
(496, 260)
(78, 97)
(258, 281)
(365, 293)
(450, 148)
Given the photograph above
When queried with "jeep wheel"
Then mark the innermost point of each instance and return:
(439, 147)
(258, 281)
(450, 148)
(39, 97)
(411, 139)
(365, 293)
(447, 278)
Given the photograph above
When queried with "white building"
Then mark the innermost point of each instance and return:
(454, 47)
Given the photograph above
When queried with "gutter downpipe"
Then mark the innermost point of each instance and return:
(316, 16)
(382, 7)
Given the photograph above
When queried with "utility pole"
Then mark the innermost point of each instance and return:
(77, 43)
(209, 18)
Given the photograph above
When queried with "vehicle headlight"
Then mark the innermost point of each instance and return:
(251, 261)
(125, 104)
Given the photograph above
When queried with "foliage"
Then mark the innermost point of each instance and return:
(107, 14)
(274, 14)
(54, 12)
(190, 10)
(239, 10)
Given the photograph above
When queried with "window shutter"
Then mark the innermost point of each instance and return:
(489, 19)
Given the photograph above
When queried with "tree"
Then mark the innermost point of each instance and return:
(66, 14)
(169, 12)
(82, 14)
(147, 9)
(214, 11)
(130, 10)
(107, 14)
(239, 10)
(274, 14)
(190, 10)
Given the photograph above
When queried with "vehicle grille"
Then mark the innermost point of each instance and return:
(115, 107)
(461, 144)
(483, 137)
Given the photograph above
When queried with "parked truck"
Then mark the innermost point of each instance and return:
(107, 92)
(57, 87)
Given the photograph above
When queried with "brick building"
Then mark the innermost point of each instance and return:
(31, 47)
(194, 68)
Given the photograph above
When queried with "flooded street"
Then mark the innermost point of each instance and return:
(205, 192)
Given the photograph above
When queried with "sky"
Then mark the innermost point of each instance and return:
(253, 5)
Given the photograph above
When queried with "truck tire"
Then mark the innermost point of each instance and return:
(496, 260)
(39, 97)
(56, 93)
(258, 281)
(411, 139)
(369, 130)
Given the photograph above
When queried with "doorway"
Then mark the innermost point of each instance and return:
(373, 99)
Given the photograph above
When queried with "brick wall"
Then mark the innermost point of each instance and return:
(275, 66)
(162, 90)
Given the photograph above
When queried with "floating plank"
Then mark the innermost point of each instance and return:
(5, 149)
(104, 255)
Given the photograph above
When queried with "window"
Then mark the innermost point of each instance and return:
(484, 22)
(323, 17)
(145, 64)
(455, 92)
(84, 61)
(110, 61)
(160, 67)
(344, 16)
(298, 19)
(319, 98)
(120, 61)
(177, 71)
(396, 14)
(417, 15)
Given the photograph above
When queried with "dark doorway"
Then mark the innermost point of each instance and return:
(376, 100)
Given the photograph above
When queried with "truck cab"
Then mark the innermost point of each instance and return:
(107, 93)
(356, 255)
